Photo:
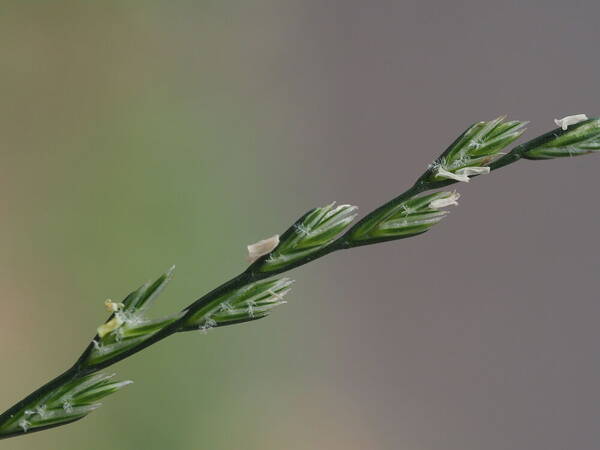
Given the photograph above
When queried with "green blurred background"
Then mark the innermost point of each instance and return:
(136, 135)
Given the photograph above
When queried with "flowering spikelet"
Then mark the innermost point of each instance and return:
(128, 327)
(313, 231)
(71, 401)
(475, 149)
(576, 138)
(404, 219)
(250, 302)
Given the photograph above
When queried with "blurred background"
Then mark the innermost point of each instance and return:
(136, 135)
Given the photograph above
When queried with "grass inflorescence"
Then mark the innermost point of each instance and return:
(254, 293)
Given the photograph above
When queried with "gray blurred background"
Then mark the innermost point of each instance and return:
(138, 134)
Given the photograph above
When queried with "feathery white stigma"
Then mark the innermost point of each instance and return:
(262, 248)
(450, 200)
(24, 424)
(570, 120)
